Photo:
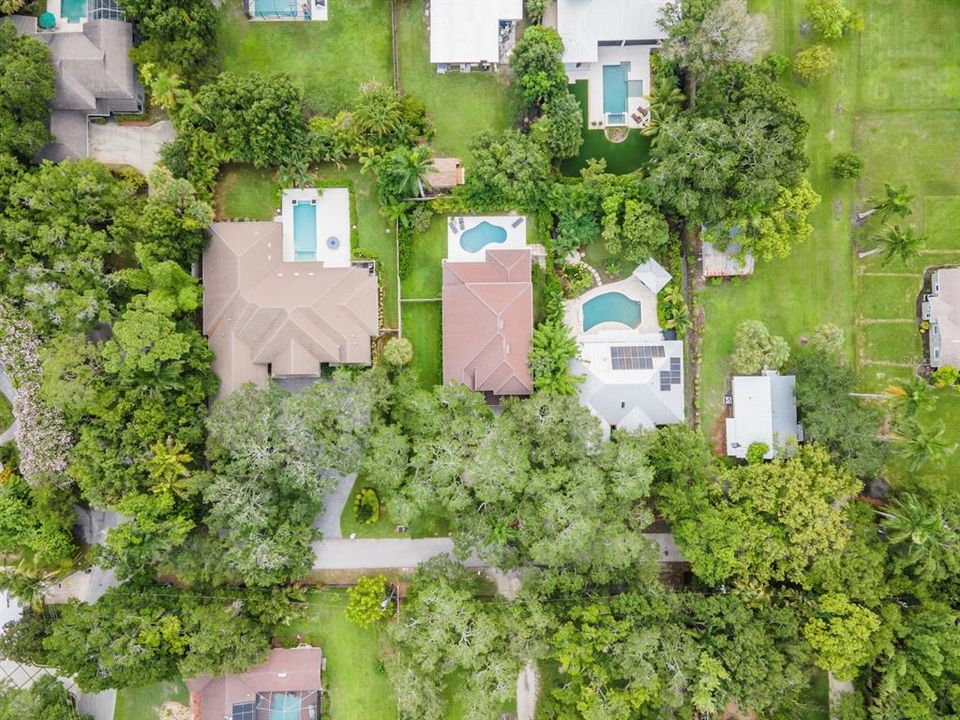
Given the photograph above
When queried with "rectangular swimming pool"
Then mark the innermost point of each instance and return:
(614, 89)
(305, 231)
(73, 10)
(275, 8)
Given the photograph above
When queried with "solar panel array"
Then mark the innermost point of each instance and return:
(635, 357)
(671, 377)
(244, 711)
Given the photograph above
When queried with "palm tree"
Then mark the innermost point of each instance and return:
(900, 243)
(666, 99)
(895, 202)
(408, 168)
(922, 445)
(911, 397)
(918, 527)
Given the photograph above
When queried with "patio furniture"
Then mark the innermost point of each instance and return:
(637, 119)
(453, 227)
(642, 111)
(48, 20)
(460, 222)
(517, 222)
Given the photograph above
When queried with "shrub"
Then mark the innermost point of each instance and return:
(846, 166)
(756, 451)
(576, 280)
(535, 10)
(398, 352)
(945, 376)
(814, 63)
(365, 604)
(828, 338)
(366, 506)
(831, 18)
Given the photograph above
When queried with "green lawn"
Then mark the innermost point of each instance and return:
(934, 477)
(895, 99)
(459, 104)
(6, 413)
(355, 683)
(621, 158)
(429, 250)
(422, 326)
(426, 525)
(888, 296)
(246, 193)
(143, 703)
(328, 59)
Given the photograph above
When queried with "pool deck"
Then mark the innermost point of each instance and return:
(639, 58)
(516, 236)
(333, 220)
(63, 25)
(634, 289)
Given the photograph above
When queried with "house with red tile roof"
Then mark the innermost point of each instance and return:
(488, 323)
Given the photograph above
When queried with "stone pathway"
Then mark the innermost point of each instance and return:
(329, 522)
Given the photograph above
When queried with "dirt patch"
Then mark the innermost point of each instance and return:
(174, 711)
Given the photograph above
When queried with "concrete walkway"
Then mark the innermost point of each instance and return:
(329, 522)
(136, 145)
(6, 387)
(406, 554)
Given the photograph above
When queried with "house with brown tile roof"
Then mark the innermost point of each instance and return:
(287, 685)
(488, 323)
(446, 173)
(264, 317)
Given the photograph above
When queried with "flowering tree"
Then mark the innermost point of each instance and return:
(42, 437)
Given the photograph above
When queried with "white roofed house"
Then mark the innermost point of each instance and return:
(764, 411)
(632, 373)
(941, 309)
(608, 43)
(469, 33)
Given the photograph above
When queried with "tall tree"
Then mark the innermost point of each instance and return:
(26, 88)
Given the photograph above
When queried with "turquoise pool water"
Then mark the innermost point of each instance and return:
(479, 236)
(611, 307)
(614, 89)
(305, 231)
(73, 10)
(275, 8)
(285, 706)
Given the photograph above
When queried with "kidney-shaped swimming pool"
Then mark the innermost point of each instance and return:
(611, 307)
(482, 234)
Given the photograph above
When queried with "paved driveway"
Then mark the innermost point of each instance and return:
(136, 145)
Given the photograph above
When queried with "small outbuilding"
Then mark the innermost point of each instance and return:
(764, 411)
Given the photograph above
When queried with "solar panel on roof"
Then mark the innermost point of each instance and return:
(674, 363)
(244, 711)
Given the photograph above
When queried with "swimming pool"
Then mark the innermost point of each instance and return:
(614, 89)
(482, 234)
(285, 706)
(305, 231)
(73, 10)
(275, 8)
(611, 307)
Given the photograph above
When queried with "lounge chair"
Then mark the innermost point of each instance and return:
(517, 222)
(637, 119)
(460, 221)
(453, 227)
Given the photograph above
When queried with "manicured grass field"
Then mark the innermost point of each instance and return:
(143, 703)
(422, 326)
(895, 99)
(247, 193)
(887, 296)
(459, 104)
(429, 250)
(357, 687)
(329, 60)
(621, 158)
